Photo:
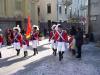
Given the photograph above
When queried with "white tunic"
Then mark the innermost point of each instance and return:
(17, 45)
(61, 46)
(34, 43)
(53, 44)
(24, 47)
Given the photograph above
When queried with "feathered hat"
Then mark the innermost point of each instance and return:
(57, 26)
(53, 27)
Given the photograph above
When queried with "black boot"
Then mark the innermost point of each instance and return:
(55, 52)
(34, 51)
(78, 52)
(18, 52)
(78, 56)
(60, 56)
(73, 52)
(25, 53)
(0, 55)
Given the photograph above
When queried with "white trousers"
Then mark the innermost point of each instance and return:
(17, 45)
(34, 43)
(24, 48)
(61, 46)
(0, 45)
(53, 45)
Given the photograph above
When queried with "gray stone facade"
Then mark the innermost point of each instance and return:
(95, 19)
(96, 28)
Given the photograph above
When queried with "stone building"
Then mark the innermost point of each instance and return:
(78, 9)
(15, 12)
(95, 19)
(50, 10)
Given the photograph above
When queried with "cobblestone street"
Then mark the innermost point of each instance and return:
(49, 37)
(46, 64)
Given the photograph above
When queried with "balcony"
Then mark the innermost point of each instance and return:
(67, 2)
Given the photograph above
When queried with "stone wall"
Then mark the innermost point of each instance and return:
(96, 28)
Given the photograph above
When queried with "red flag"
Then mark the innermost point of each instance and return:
(28, 32)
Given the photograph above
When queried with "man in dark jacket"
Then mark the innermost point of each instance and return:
(73, 30)
(79, 42)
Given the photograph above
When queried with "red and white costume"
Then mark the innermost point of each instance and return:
(61, 38)
(25, 44)
(52, 40)
(17, 41)
(35, 39)
(1, 40)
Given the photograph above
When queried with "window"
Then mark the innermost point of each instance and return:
(78, 13)
(38, 11)
(65, 10)
(49, 24)
(1, 8)
(60, 9)
(18, 5)
(78, 1)
(48, 8)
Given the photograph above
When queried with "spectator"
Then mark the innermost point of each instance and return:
(73, 30)
(79, 42)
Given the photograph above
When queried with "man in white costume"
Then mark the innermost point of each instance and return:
(52, 40)
(17, 40)
(35, 39)
(61, 38)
